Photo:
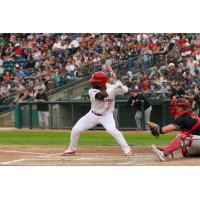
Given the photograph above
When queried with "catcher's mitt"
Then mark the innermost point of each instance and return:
(155, 129)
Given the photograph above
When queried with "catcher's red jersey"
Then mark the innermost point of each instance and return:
(188, 121)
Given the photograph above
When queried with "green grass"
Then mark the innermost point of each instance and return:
(62, 138)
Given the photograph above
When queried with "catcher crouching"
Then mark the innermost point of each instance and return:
(188, 141)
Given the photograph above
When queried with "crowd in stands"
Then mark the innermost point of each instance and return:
(177, 68)
(50, 60)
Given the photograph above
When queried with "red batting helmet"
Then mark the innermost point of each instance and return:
(99, 78)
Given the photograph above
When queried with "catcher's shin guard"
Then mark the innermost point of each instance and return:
(176, 143)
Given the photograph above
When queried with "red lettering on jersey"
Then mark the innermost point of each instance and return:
(109, 101)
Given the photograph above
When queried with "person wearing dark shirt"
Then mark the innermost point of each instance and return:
(135, 83)
(136, 101)
(195, 103)
(42, 108)
(177, 91)
(189, 125)
(127, 82)
(194, 97)
(23, 96)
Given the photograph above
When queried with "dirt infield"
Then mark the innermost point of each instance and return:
(90, 156)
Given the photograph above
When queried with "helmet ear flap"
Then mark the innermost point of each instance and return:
(172, 111)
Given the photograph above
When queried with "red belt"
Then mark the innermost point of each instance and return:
(97, 114)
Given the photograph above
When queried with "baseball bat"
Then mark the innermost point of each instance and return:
(109, 68)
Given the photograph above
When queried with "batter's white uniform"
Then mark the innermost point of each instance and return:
(101, 113)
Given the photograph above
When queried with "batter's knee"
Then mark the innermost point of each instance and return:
(113, 131)
(75, 130)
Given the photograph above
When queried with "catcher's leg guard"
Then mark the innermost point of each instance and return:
(192, 145)
(175, 144)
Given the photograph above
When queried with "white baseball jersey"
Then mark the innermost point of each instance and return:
(90, 120)
(107, 105)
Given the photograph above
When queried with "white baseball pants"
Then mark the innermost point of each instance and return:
(89, 121)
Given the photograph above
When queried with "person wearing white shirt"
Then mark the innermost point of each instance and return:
(198, 56)
(70, 67)
(1, 70)
(75, 44)
(102, 100)
(57, 45)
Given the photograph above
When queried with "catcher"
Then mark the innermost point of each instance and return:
(188, 141)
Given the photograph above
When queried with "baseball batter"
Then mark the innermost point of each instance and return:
(102, 100)
(189, 125)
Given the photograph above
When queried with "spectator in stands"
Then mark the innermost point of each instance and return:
(18, 49)
(196, 102)
(2, 93)
(127, 82)
(165, 88)
(18, 72)
(135, 83)
(23, 96)
(193, 96)
(42, 108)
(177, 57)
(145, 86)
(1, 70)
(197, 78)
(177, 91)
(7, 77)
(71, 68)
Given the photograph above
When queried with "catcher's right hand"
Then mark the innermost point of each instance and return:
(155, 129)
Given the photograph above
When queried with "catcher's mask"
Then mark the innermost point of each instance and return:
(99, 79)
(178, 103)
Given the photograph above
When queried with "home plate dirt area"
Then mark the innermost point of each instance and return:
(86, 156)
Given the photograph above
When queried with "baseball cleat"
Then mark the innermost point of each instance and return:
(161, 155)
(129, 153)
(69, 153)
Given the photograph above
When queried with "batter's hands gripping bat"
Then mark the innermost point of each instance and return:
(118, 83)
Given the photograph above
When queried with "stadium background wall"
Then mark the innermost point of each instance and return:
(64, 114)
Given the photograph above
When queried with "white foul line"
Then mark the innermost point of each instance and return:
(28, 152)
(12, 161)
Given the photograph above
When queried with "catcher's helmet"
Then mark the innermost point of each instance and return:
(99, 79)
(181, 102)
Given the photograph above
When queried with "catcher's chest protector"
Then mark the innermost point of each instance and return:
(191, 143)
(195, 125)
